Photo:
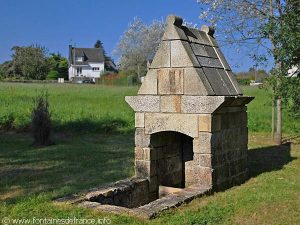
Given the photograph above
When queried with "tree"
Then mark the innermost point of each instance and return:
(63, 67)
(99, 44)
(6, 69)
(286, 39)
(245, 78)
(30, 62)
(138, 45)
(285, 31)
(60, 64)
(53, 75)
(244, 22)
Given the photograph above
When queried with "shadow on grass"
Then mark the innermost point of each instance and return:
(291, 138)
(267, 159)
(103, 126)
(76, 162)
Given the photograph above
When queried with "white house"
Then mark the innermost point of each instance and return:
(293, 72)
(85, 63)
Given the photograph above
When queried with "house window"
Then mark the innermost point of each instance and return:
(96, 68)
(79, 59)
(79, 70)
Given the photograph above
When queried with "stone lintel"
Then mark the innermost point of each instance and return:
(183, 123)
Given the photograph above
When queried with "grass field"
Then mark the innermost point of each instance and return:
(73, 107)
(86, 155)
(101, 108)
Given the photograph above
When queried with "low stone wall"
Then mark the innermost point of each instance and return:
(146, 211)
(127, 193)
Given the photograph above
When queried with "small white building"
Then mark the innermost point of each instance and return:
(293, 72)
(85, 63)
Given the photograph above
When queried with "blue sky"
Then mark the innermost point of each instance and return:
(57, 23)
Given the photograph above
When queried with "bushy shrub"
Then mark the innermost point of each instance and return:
(41, 121)
(123, 78)
(243, 81)
(6, 122)
(133, 80)
(53, 75)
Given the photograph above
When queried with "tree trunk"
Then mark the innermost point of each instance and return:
(139, 77)
(273, 116)
(278, 136)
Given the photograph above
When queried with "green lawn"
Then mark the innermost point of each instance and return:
(259, 113)
(96, 108)
(84, 156)
(31, 177)
(75, 107)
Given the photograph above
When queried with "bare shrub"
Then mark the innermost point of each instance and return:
(41, 120)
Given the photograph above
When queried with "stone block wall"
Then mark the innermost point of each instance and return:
(215, 155)
(130, 193)
(230, 158)
(173, 150)
(146, 162)
(220, 151)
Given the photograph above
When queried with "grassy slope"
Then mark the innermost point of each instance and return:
(31, 177)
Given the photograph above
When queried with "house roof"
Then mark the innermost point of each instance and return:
(197, 56)
(88, 54)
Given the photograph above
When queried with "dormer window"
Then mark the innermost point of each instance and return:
(79, 59)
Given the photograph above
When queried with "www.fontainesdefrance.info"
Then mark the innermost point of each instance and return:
(55, 221)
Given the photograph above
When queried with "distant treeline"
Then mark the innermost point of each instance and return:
(244, 78)
(34, 63)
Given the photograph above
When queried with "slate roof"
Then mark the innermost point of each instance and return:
(198, 54)
(88, 54)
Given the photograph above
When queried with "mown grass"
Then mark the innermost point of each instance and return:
(73, 107)
(32, 177)
(102, 108)
(260, 111)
